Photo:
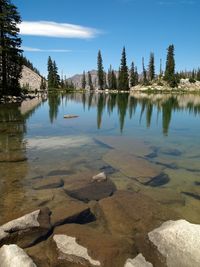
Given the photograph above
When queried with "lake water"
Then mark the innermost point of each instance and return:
(146, 143)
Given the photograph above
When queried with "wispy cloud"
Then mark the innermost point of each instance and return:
(177, 2)
(54, 29)
(32, 49)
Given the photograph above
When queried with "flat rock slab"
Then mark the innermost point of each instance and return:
(14, 256)
(127, 213)
(179, 242)
(48, 183)
(93, 191)
(138, 261)
(132, 166)
(102, 248)
(26, 230)
(126, 144)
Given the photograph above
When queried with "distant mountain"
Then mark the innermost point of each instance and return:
(77, 79)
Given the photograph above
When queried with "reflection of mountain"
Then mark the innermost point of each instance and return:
(144, 103)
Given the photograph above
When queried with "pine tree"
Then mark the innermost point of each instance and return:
(198, 74)
(43, 84)
(56, 77)
(170, 76)
(110, 85)
(100, 71)
(10, 52)
(145, 81)
(123, 81)
(83, 81)
(114, 80)
(136, 76)
(133, 75)
(90, 84)
(151, 67)
(53, 77)
(50, 73)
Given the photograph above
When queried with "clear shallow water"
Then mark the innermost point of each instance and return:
(121, 134)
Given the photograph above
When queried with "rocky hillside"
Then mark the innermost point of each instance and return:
(30, 79)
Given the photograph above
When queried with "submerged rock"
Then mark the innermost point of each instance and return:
(132, 166)
(127, 213)
(190, 194)
(93, 191)
(14, 256)
(26, 230)
(159, 180)
(48, 183)
(179, 242)
(138, 261)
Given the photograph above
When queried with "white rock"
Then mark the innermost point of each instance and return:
(68, 246)
(99, 177)
(13, 256)
(179, 242)
(22, 223)
(138, 261)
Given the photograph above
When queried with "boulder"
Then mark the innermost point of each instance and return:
(14, 256)
(99, 177)
(178, 242)
(138, 261)
(27, 230)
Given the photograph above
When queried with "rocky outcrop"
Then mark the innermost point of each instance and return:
(30, 79)
(13, 256)
(25, 231)
(138, 261)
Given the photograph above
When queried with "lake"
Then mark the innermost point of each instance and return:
(146, 143)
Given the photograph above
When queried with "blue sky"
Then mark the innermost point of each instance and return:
(77, 29)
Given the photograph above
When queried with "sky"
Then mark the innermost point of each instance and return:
(72, 32)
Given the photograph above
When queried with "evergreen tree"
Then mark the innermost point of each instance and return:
(90, 81)
(136, 76)
(100, 71)
(50, 73)
(151, 67)
(123, 81)
(53, 77)
(161, 72)
(145, 81)
(114, 80)
(43, 84)
(56, 77)
(10, 53)
(110, 78)
(83, 82)
(170, 76)
(198, 75)
(133, 75)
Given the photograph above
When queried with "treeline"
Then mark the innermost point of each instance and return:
(125, 78)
